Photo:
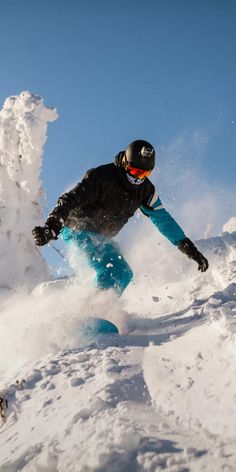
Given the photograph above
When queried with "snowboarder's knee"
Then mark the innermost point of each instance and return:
(115, 277)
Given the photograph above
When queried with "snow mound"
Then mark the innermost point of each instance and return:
(23, 131)
(197, 370)
(230, 226)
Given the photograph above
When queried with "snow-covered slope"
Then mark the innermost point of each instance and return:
(161, 396)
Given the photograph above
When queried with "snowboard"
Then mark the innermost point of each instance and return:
(89, 327)
(92, 327)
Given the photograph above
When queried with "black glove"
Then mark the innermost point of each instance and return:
(43, 234)
(187, 247)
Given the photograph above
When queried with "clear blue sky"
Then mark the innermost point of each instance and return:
(160, 70)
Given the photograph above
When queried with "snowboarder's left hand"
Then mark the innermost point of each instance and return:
(43, 234)
(201, 261)
(187, 247)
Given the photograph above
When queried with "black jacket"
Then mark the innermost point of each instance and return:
(103, 202)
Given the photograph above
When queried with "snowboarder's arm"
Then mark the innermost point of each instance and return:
(169, 228)
(84, 193)
(163, 220)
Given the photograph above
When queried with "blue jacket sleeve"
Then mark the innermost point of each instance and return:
(163, 220)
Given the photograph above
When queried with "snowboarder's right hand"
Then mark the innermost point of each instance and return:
(43, 234)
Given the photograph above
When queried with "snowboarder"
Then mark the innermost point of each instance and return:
(94, 211)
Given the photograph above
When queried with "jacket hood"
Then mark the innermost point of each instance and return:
(118, 158)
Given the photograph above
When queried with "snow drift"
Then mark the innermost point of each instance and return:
(160, 396)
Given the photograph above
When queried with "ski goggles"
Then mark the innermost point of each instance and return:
(138, 173)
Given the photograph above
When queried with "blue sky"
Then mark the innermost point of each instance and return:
(161, 70)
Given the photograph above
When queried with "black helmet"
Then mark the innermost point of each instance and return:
(140, 154)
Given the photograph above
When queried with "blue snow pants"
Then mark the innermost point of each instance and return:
(104, 256)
